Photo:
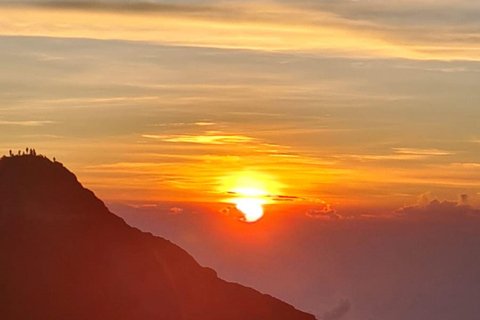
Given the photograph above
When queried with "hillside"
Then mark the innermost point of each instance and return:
(63, 256)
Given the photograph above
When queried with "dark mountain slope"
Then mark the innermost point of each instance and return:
(63, 255)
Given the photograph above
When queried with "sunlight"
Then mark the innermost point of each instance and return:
(250, 207)
(250, 191)
(250, 184)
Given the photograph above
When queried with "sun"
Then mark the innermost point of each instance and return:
(251, 208)
(250, 191)
(249, 201)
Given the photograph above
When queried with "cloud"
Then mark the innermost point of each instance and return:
(122, 6)
(226, 211)
(232, 211)
(366, 30)
(404, 154)
(325, 213)
(270, 196)
(25, 123)
(209, 138)
(204, 123)
(425, 199)
(422, 152)
(175, 210)
(440, 211)
(141, 205)
(283, 198)
(338, 311)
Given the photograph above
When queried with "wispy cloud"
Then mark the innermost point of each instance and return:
(422, 152)
(356, 29)
(204, 123)
(121, 6)
(403, 154)
(209, 138)
(26, 123)
(175, 210)
(324, 213)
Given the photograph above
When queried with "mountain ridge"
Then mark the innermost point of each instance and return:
(67, 256)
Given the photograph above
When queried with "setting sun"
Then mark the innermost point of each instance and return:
(251, 208)
(250, 191)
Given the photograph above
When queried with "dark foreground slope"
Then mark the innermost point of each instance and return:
(63, 255)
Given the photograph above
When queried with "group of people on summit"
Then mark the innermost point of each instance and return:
(27, 152)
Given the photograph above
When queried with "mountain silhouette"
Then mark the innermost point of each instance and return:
(63, 255)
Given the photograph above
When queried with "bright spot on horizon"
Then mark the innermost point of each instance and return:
(250, 190)
(249, 201)
(250, 207)
(250, 184)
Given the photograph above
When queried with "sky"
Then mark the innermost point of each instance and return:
(347, 115)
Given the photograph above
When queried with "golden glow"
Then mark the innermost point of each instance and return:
(237, 123)
(251, 184)
(250, 190)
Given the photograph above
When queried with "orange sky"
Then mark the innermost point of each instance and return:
(327, 103)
